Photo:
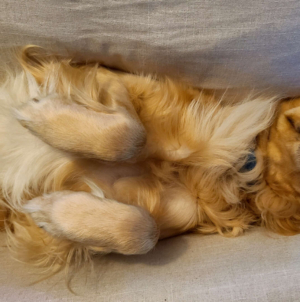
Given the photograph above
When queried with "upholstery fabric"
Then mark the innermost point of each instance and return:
(211, 43)
(192, 268)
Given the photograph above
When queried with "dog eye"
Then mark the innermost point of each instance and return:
(35, 100)
(291, 121)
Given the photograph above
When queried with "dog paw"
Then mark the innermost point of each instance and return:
(73, 128)
(36, 111)
(42, 211)
(98, 222)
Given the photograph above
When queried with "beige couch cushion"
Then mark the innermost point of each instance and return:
(215, 44)
(254, 267)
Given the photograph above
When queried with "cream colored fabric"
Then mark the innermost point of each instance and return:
(215, 43)
(192, 268)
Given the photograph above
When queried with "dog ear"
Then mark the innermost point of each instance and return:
(35, 60)
(293, 117)
(279, 214)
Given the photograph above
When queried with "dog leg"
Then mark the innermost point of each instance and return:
(112, 135)
(105, 224)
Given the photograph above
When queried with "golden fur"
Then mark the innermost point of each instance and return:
(95, 161)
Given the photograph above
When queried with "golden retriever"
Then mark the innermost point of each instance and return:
(96, 161)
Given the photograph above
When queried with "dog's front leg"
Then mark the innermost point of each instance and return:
(104, 224)
(111, 135)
